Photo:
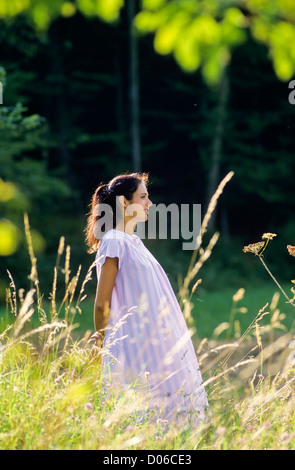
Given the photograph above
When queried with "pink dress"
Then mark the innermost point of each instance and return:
(147, 341)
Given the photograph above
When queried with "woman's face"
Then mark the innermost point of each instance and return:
(139, 205)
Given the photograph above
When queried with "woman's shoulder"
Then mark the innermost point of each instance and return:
(111, 245)
(117, 238)
(121, 240)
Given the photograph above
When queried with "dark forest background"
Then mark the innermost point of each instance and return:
(75, 84)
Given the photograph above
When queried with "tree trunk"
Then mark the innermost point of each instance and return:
(134, 99)
(61, 125)
(214, 172)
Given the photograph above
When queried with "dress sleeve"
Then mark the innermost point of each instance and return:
(109, 247)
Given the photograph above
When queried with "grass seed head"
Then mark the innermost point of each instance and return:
(254, 248)
(291, 250)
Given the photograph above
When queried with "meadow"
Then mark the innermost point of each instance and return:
(52, 396)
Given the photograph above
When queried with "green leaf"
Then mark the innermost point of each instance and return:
(108, 11)
(167, 35)
(153, 4)
(187, 53)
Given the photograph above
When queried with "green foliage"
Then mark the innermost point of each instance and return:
(200, 34)
(21, 134)
(108, 11)
(272, 24)
(9, 237)
(203, 34)
(42, 13)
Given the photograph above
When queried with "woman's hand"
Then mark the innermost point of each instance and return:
(98, 338)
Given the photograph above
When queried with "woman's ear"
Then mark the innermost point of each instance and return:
(122, 200)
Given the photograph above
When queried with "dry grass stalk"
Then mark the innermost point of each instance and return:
(34, 272)
(194, 266)
(12, 298)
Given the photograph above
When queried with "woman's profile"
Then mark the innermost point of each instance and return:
(136, 313)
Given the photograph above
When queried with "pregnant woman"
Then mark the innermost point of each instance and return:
(136, 314)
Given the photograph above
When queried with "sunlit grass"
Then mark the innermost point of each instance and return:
(53, 398)
(211, 308)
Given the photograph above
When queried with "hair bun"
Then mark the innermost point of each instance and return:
(101, 191)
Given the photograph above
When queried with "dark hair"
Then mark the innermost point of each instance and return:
(121, 185)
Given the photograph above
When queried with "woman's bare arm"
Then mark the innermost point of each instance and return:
(105, 285)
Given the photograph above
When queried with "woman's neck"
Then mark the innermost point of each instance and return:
(126, 227)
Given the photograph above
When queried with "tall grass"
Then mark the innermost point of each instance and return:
(52, 395)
